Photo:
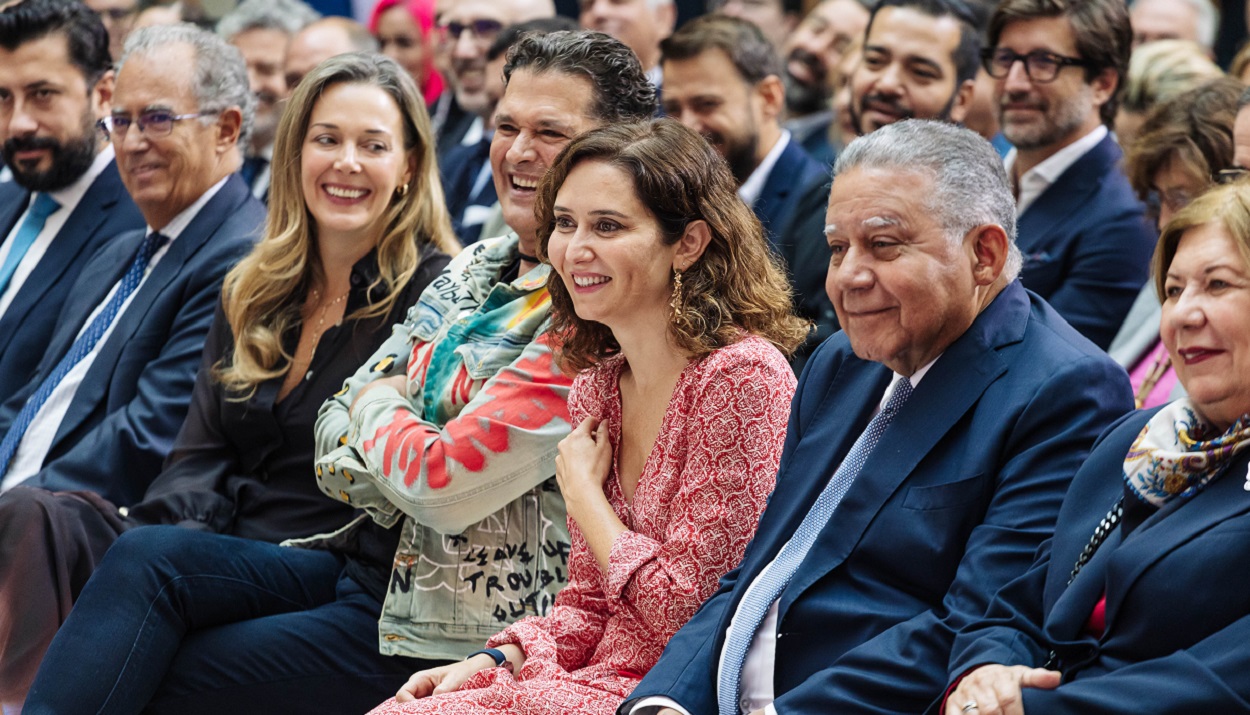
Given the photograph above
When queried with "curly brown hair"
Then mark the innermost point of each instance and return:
(736, 287)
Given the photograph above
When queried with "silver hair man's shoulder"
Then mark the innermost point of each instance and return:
(289, 16)
(220, 72)
(970, 184)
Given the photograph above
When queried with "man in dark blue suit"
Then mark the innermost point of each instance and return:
(1085, 237)
(929, 447)
(722, 79)
(66, 200)
(113, 387)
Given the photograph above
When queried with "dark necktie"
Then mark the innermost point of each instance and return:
(82, 346)
(252, 168)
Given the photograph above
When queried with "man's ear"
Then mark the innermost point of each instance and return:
(692, 244)
(229, 127)
(1104, 85)
(102, 95)
(772, 94)
(989, 246)
(963, 101)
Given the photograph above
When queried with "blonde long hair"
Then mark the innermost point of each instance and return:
(262, 294)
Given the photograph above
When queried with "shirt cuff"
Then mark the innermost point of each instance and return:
(653, 704)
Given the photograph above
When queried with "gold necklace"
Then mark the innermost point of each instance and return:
(1156, 373)
(321, 320)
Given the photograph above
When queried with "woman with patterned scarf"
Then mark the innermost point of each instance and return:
(1141, 601)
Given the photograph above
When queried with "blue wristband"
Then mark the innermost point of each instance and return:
(494, 653)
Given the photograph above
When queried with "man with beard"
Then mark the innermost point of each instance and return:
(66, 199)
(722, 79)
(468, 28)
(811, 53)
(261, 29)
(1086, 241)
(919, 61)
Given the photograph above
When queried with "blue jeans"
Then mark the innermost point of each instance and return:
(182, 621)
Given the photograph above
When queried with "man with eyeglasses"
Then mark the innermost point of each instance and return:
(66, 200)
(467, 28)
(1087, 243)
(101, 411)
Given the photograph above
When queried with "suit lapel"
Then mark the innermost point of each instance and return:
(1062, 199)
(1185, 521)
(952, 386)
(81, 225)
(13, 200)
(773, 194)
(89, 291)
(1117, 564)
(95, 385)
(843, 414)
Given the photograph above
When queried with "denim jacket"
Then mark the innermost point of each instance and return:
(467, 455)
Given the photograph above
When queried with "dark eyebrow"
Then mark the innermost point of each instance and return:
(917, 60)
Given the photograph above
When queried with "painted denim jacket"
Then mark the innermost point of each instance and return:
(467, 456)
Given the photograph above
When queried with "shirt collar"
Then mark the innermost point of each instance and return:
(751, 188)
(180, 222)
(1035, 181)
(72, 194)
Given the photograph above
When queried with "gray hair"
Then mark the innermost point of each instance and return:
(287, 16)
(1208, 20)
(220, 72)
(970, 185)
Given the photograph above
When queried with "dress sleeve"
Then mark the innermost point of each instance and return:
(735, 430)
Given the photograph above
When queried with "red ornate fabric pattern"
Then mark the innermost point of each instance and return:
(700, 496)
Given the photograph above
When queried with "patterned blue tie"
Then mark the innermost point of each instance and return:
(43, 207)
(81, 347)
(768, 587)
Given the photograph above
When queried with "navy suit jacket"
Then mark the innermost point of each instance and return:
(794, 176)
(1087, 244)
(26, 327)
(1178, 600)
(791, 206)
(123, 419)
(952, 504)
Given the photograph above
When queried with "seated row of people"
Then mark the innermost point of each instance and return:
(447, 437)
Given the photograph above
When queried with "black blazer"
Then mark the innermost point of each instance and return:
(26, 327)
(122, 421)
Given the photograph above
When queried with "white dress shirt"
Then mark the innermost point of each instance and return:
(35, 444)
(757, 669)
(68, 198)
(1036, 180)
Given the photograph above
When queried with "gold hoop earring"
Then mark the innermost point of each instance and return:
(675, 303)
(401, 191)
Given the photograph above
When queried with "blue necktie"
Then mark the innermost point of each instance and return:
(768, 587)
(81, 347)
(43, 207)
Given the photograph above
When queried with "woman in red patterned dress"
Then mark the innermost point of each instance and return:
(667, 300)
